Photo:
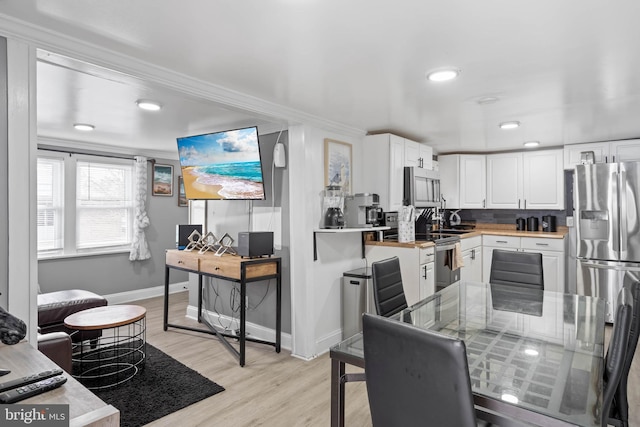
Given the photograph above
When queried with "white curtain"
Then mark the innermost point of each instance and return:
(139, 246)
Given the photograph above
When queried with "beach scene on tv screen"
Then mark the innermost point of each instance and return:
(223, 165)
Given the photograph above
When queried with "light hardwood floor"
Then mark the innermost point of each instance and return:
(272, 389)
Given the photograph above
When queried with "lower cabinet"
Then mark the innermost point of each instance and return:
(552, 250)
(416, 265)
(471, 271)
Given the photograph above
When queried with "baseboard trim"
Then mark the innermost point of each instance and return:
(253, 330)
(138, 294)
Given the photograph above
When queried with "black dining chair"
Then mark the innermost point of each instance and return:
(415, 376)
(388, 292)
(522, 269)
(619, 412)
(388, 295)
(615, 360)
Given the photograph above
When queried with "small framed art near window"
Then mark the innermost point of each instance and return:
(162, 184)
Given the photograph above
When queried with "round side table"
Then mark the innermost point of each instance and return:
(118, 354)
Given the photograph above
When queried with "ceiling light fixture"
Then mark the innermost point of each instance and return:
(145, 104)
(443, 74)
(530, 144)
(509, 397)
(84, 127)
(488, 100)
(509, 125)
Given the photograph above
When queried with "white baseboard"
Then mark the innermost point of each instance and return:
(323, 344)
(253, 330)
(138, 294)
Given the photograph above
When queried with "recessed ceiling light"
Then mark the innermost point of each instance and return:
(531, 352)
(509, 397)
(145, 104)
(443, 74)
(509, 125)
(532, 143)
(488, 100)
(84, 127)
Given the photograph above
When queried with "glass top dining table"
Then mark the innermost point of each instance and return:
(534, 356)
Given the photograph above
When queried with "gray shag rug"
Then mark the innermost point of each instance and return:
(162, 386)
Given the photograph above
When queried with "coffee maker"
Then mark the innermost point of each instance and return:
(332, 206)
(362, 210)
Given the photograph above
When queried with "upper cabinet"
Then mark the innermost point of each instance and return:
(604, 152)
(463, 180)
(530, 180)
(504, 181)
(384, 158)
(417, 155)
(522, 180)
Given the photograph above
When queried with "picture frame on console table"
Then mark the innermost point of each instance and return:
(338, 164)
(162, 180)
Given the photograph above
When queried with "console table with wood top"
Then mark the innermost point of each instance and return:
(232, 268)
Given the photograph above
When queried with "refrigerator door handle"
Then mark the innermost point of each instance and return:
(615, 213)
(623, 211)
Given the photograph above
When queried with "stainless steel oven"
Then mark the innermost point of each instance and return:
(444, 253)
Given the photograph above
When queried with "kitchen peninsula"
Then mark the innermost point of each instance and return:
(423, 270)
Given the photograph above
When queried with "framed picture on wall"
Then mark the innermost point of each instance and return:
(182, 197)
(162, 184)
(337, 164)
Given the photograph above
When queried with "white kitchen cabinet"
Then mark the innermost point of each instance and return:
(472, 259)
(463, 180)
(625, 151)
(573, 153)
(552, 250)
(543, 180)
(427, 277)
(383, 157)
(416, 266)
(504, 181)
(604, 152)
(531, 180)
(417, 154)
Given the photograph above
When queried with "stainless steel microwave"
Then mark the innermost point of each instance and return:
(421, 187)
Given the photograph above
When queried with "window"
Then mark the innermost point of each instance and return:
(50, 204)
(85, 205)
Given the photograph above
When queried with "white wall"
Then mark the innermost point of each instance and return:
(316, 285)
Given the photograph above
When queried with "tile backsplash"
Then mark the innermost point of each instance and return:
(509, 216)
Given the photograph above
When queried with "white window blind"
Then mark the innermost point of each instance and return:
(104, 204)
(50, 204)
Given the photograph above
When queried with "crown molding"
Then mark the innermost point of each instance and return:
(55, 42)
(83, 147)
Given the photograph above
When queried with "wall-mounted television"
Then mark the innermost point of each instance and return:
(222, 165)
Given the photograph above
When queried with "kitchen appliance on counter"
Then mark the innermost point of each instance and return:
(332, 207)
(608, 224)
(363, 210)
(520, 224)
(421, 187)
(549, 223)
(532, 223)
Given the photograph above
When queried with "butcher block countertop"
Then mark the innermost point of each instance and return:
(480, 230)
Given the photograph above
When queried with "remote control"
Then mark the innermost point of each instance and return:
(29, 379)
(24, 392)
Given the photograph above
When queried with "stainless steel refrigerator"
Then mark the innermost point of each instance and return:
(607, 223)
